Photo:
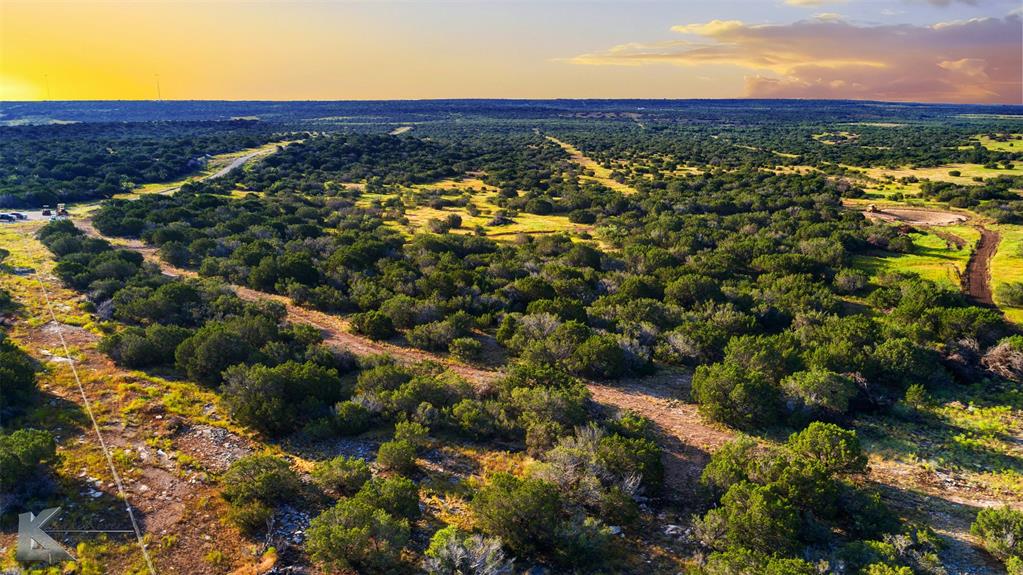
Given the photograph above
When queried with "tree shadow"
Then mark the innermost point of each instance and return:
(950, 519)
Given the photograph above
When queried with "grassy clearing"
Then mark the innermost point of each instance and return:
(1013, 144)
(932, 258)
(481, 196)
(1007, 265)
(594, 171)
(941, 173)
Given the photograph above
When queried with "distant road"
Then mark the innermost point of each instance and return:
(237, 163)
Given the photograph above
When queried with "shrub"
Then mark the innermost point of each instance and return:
(346, 475)
(211, 350)
(259, 478)
(729, 464)
(252, 486)
(1010, 293)
(466, 349)
(17, 378)
(373, 325)
(524, 513)
(599, 356)
(21, 454)
(354, 535)
(276, 400)
(819, 392)
(1006, 358)
(848, 281)
(837, 450)
(412, 432)
(453, 552)
(1000, 532)
(740, 397)
(398, 496)
(350, 418)
(251, 517)
(584, 545)
(755, 517)
(397, 457)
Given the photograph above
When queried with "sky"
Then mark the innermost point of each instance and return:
(963, 51)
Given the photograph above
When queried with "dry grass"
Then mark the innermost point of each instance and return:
(594, 171)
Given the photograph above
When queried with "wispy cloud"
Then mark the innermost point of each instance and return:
(813, 3)
(976, 60)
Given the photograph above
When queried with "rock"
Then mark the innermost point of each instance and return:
(674, 530)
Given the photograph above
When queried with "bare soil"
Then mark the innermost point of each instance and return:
(916, 216)
(977, 279)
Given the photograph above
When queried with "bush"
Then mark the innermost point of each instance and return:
(346, 475)
(277, 400)
(524, 513)
(453, 552)
(412, 432)
(373, 325)
(21, 454)
(398, 496)
(837, 450)
(354, 535)
(397, 457)
(1010, 293)
(350, 418)
(251, 518)
(754, 517)
(466, 349)
(599, 356)
(732, 394)
(819, 392)
(17, 378)
(260, 478)
(1000, 532)
(211, 350)
(252, 486)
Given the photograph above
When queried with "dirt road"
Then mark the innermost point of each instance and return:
(977, 279)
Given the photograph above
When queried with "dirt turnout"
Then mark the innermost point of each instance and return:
(977, 280)
(920, 217)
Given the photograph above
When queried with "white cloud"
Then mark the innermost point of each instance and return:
(977, 60)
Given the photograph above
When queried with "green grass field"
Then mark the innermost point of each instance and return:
(931, 258)
(1014, 144)
(1007, 265)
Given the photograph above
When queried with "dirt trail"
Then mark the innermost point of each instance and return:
(977, 279)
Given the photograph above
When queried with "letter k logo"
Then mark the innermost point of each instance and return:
(34, 544)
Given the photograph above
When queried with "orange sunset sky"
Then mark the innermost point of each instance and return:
(900, 50)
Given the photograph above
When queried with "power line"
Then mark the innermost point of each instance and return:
(95, 426)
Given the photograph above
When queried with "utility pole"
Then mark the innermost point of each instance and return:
(159, 95)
